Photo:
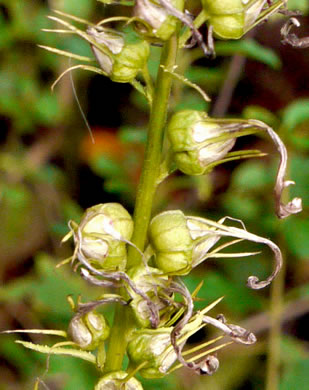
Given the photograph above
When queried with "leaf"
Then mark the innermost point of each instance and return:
(293, 116)
(250, 49)
(296, 234)
(296, 376)
(84, 355)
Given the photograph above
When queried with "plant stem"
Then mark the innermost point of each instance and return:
(276, 308)
(148, 181)
(123, 320)
(122, 325)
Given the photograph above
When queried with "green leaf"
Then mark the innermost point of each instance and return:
(296, 234)
(59, 351)
(261, 114)
(237, 298)
(104, 166)
(293, 117)
(130, 134)
(295, 376)
(250, 49)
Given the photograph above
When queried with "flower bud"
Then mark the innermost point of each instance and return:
(151, 282)
(154, 347)
(88, 331)
(179, 243)
(120, 55)
(198, 140)
(116, 381)
(101, 235)
(231, 19)
(158, 23)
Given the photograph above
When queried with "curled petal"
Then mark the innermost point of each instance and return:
(295, 205)
(237, 333)
(230, 231)
(292, 39)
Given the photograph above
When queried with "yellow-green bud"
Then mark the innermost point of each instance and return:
(89, 330)
(121, 55)
(158, 23)
(116, 381)
(179, 243)
(231, 19)
(199, 142)
(100, 235)
(150, 282)
(152, 346)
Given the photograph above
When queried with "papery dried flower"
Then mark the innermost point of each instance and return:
(156, 22)
(120, 55)
(88, 331)
(102, 235)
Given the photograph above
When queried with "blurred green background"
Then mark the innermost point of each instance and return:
(50, 171)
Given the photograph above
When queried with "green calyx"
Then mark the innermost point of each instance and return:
(179, 242)
(231, 19)
(194, 140)
(101, 235)
(89, 330)
(172, 243)
(153, 347)
(156, 22)
(116, 380)
(120, 56)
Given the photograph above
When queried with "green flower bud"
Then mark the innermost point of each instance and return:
(200, 142)
(120, 55)
(151, 282)
(179, 243)
(231, 19)
(101, 235)
(116, 381)
(152, 346)
(88, 331)
(158, 24)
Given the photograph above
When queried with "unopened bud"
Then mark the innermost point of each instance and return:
(116, 380)
(157, 23)
(101, 235)
(120, 55)
(88, 331)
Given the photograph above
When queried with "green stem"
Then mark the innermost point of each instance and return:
(148, 182)
(123, 321)
(122, 326)
(276, 308)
